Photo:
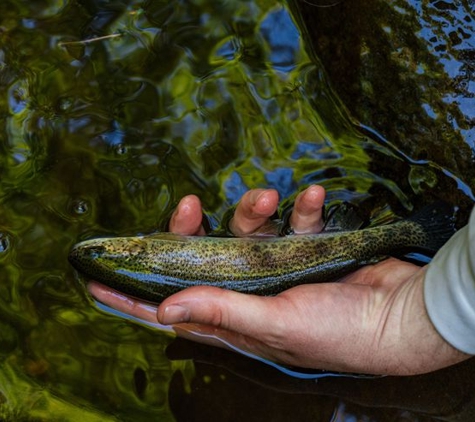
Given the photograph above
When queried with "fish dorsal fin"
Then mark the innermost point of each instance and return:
(166, 236)
(343, 217)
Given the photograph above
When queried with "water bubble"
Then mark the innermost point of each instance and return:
(120, 149)
(4, 242)
(80, 207)
(65, 103)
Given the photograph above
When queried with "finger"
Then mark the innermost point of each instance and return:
(253, 211)
(123, 303)
(187, 217)
(212, 336)
(307, 213)
(226, 319)
(279, 328)
(254, 323)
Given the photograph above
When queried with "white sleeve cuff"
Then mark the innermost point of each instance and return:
(449, 289)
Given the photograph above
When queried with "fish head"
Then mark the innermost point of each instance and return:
(98, 258)
(127, 264)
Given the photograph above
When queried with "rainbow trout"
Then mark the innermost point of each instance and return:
(154, 267)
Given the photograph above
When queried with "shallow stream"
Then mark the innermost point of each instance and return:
(111, 111)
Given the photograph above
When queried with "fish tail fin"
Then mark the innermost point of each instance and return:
(438, 221)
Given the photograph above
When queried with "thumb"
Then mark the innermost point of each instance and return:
(225, 309)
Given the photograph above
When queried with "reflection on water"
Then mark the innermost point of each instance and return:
(113, 110)
(405, 68)
(270, 395)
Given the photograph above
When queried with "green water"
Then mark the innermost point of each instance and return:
(111, 111)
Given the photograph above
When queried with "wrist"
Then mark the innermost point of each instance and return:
(430, 350)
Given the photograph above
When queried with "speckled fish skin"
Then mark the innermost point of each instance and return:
(156, 266)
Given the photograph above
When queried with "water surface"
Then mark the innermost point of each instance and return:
(113, 110)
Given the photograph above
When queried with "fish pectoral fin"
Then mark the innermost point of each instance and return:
(343, 217)
(374, 260)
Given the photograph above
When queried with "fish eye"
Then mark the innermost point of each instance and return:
(95, 251)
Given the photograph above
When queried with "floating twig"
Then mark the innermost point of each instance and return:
(90, 40)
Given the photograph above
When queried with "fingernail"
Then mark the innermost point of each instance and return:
(175, 314)
(254, 196)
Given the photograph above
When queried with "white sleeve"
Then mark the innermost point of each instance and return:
(449, 289)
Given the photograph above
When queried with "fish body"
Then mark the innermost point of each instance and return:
(154, 267)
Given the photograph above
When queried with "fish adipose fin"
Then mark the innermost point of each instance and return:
(438, 221)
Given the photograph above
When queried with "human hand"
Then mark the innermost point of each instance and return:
(253, 212)
(373, 321)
